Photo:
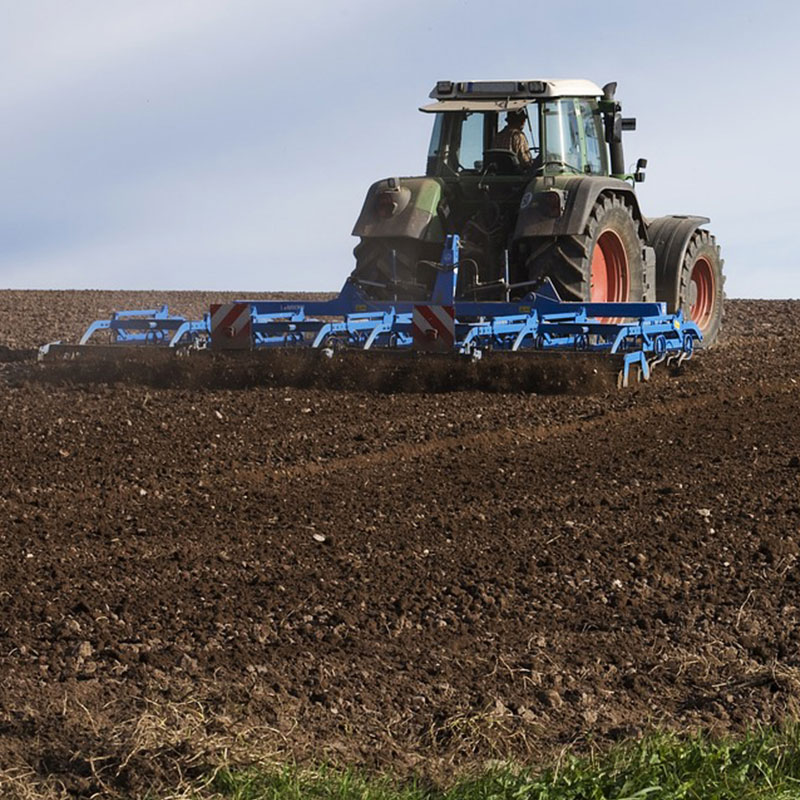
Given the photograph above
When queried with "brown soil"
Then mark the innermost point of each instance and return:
(415, 581)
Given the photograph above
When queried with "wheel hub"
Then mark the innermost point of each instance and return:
(702, 291)
(610, 278)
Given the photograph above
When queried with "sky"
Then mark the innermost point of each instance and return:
(229, 144)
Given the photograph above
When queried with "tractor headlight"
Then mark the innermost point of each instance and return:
(391, 198)
(552, 202)
(386, 203)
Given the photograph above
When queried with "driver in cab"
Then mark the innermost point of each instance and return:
(512, 138)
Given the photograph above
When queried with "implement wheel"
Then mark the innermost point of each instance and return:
(602, 264)
(700, 289)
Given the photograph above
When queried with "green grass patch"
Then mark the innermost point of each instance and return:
(763, 764)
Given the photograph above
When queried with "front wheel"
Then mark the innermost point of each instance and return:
(700, 289)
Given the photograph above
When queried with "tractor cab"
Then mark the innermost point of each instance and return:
(564, 134)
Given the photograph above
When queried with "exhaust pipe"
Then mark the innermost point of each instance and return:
(613, 122)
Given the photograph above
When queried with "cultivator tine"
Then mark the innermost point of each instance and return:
(637, 364)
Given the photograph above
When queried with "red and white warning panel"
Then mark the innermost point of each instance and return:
(231, 326)
(433, 328)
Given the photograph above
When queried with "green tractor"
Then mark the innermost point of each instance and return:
(531, 175)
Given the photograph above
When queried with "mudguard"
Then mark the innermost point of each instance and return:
(579, 196)
(415, 214)
(670, 236)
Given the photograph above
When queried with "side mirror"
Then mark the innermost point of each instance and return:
(639, 175)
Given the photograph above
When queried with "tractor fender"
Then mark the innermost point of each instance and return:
(579, 195)
(402, 208)
(670, 237)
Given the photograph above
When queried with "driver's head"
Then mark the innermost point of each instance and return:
(515, 119)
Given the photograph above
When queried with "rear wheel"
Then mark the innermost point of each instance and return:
(700, 289)
(389, 268)
(602, 264)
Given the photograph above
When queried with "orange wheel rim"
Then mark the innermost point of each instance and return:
(609, 280)
(702, 291)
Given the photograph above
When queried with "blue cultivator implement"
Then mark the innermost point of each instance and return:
(630, 338)
(148, 327)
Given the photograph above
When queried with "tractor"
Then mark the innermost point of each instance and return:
(564, 208)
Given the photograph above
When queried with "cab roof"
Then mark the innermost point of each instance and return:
(506, 94)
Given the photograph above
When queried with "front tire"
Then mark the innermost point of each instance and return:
(701, 286)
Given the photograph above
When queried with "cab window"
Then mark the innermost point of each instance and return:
(460, 139)
(470, 146)
(457, 143)
(562, 137)
(530, 129)
(593, 138)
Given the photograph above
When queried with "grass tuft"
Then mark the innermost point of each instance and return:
(763, 764)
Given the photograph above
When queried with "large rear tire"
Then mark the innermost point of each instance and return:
(701, 286)
(395, 267)
(604, 263)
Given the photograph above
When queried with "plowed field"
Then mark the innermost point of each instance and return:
(418, 581)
